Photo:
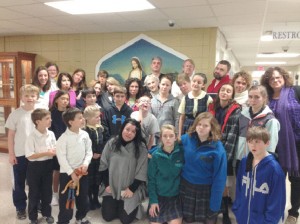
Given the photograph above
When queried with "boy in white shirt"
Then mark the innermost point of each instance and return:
(19, 127)
(39, 150)
(74, 153)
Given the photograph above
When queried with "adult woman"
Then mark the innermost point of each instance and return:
(53, 71)
(257, 114)
(204, 171)
(79, 83)
(227, 113)
(124, 191)
(152, 84)
(41, 80)
(102, 77)
(241, 82)
(134, 91)
(136, 71)
(284, 102)
(64, 83)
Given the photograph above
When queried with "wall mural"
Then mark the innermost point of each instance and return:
(118, 62)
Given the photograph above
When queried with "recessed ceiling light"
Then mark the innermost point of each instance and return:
(270, 63)
(267, 36)
(96, 6)
(278, 55)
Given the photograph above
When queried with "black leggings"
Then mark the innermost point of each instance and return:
(112, 209)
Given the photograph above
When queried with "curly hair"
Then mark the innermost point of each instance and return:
(127, 85)
(245, 75)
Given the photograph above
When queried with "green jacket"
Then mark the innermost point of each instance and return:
(164, 173)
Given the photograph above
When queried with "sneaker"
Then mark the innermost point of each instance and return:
(291, 220)
(54, 201)
(49, 219)
(83, 221)
(21, 214)
(33, 222)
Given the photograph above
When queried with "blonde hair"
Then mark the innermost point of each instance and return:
(112, 81)
(215, 131)
(166, 127)
(182, 78)
(30, 89)
(90, 111)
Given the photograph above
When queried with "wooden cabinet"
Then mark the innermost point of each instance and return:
(16, 69)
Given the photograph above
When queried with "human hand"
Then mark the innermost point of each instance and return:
(154, 210)
(12, 159)
(52, 152)
(127, 193)
(83, 169)
(149, 156)
(96, 156)
(74, 177)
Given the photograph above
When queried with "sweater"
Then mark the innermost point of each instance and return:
(164, 173)
(260, 193)
(215, 89)
(205, 165)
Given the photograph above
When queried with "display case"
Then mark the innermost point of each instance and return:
(16, 69)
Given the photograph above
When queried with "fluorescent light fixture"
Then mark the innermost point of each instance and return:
(100, 6)
(267, 36)
(270, 63)
(278, 55)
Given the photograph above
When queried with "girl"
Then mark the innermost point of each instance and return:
(257, 114)
(227, 113)
(79, 83)
(194, 103)
(42, 81)
(95, 131)
(134, 91)
(61, 103)
(204, 171)
(53, 71)
(64, 83)
(164, 179)
(124, 191)
(136, 71)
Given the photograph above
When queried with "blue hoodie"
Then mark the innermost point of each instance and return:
(260, 193)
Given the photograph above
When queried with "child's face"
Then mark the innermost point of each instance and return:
(152, 85)
(65, 83)
(62, 102)
(43, 77)
(77, 77)
(78, 122)
(94, 119)
(133, 88)
(29, 98)
(165, 86)
(168, 138)
(119, 98)
(144, 103)
(240, 85)
(256, 100)
(110, 87)
(90, 99)
(257, 147)
(44, 123)
(203, 128)
(197, 83)
(185, 87)
(102, 80)
(97, 88)
(226, 93)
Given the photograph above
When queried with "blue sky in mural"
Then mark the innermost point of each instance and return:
(119, 64)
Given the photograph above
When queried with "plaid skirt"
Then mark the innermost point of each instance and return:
(188, 122)
(195, 201)
(169, 208)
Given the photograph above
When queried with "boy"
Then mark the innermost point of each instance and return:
(74, 153)
(39, 150)
(260, 187)
(115, 115)
(148, 121)
(19, 127)
(89, 97)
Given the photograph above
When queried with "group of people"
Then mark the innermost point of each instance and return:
(234, 141)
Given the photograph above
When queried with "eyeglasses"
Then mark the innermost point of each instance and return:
(145, 101)
(273, 79)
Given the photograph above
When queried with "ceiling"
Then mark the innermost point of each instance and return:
(241, 21)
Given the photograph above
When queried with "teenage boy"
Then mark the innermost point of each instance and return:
(89, 97)
(74, 153)
(115, 115)
(39, 150)
(19, 127)
(260, 187)
(148, 121)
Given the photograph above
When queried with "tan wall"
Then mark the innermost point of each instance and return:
(84, 50)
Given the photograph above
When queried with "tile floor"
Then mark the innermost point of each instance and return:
(7, 210)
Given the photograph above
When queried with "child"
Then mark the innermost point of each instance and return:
(164, 178)
(148, 121)
(95, 131)
(60, 104)
(115, 115)
(89, 97)
(204, 171)
(260, 186)
(193, 104)
(19, 127)
(39, 150)
(184, 83)
(74, 153)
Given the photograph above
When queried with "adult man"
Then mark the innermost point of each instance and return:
(156, 64)
(221, 76)
(188, 68)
